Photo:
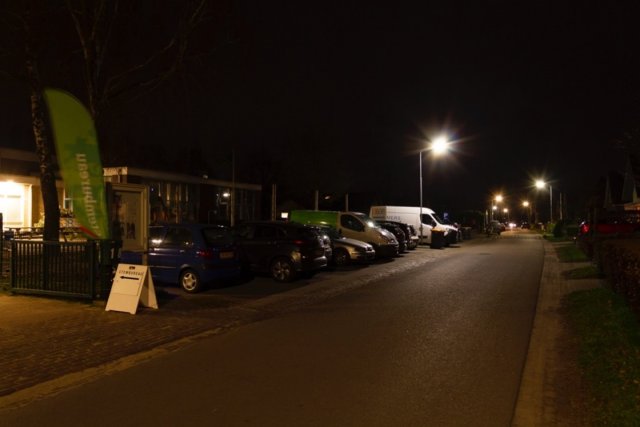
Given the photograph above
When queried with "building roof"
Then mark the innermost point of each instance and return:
(176, 177)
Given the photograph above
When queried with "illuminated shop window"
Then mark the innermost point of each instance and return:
(12, 205)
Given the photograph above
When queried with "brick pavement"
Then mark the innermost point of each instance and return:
(42, 339)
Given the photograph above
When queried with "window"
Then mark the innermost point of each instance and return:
(265, 232)
(12, 201)
(178, 236)
(215, 235)
(350, 222)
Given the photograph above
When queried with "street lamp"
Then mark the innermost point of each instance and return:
(437, 147)
(527, 206)
(494, 205)
(541, 184)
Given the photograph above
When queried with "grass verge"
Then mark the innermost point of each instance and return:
(609, 341)
(571, 253)
(587, 272)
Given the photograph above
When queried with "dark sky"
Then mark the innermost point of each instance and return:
(339, 96)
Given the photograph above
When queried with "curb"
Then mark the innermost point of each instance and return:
(537, 397)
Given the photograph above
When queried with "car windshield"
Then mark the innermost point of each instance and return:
(156, 234)
(437, 218)
(306, 233)
(217, 236)
(365, 219)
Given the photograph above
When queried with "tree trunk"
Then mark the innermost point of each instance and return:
(43, 149)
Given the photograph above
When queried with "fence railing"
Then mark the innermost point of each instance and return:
(66, 269)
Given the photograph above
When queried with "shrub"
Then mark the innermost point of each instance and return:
(572, 229)
(619, 260)
(559, 229)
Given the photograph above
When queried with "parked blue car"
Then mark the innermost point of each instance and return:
(191, 255)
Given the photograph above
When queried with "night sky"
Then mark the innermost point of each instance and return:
(340, 96)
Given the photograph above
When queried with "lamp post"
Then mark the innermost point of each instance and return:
(541, 184)
(438, 146)
(527, 206)
(494, 205)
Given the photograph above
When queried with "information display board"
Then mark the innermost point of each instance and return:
(132, 285)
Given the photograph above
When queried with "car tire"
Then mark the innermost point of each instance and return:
(341, 257)
(190, 281)
(282, 270)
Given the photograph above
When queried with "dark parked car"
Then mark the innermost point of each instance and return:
(394, 228)
(411, 235)
(191, 255)
(283, 249)
(347, 251)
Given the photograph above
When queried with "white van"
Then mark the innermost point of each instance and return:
(411, 215)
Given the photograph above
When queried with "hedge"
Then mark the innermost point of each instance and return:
(619, 260)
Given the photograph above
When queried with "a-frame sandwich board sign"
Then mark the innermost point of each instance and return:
(132, 285)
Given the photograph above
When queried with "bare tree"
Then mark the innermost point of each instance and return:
(94, 23)
(41, 135)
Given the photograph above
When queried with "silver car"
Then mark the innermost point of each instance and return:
(346, 250)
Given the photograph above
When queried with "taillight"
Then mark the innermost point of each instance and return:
(299, 242)
(205, 253)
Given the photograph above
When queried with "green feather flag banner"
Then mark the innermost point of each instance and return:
(79, 160)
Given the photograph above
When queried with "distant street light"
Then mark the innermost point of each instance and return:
(494, 205)
(438, 147)
(527, 206)
(541, 184)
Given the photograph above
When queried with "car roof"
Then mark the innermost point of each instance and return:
(188, 225)
(291, 224)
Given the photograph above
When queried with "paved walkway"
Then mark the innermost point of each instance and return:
(48, 344)
(540, 401)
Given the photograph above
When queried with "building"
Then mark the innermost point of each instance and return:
(20, 191)
(173, 197)
(176, 197)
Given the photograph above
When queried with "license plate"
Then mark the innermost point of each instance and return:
(226, 255)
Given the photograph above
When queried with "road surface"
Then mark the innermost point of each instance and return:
(440, 345)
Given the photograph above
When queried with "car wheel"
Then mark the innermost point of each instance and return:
(341, 257)
(282, 270)
(190, 281)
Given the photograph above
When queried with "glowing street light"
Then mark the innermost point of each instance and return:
(438, 146)
(541, 184)
(527, 206)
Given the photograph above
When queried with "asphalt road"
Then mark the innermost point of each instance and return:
(442, 345)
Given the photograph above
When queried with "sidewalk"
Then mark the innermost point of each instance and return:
(44, 339)
(541, 400)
